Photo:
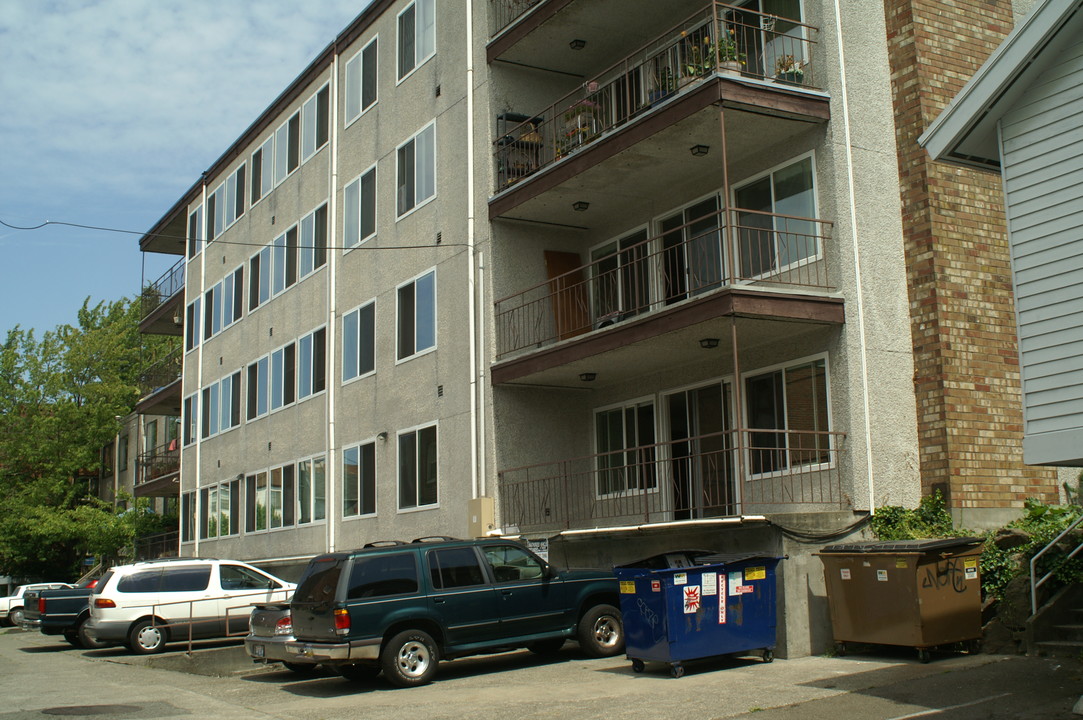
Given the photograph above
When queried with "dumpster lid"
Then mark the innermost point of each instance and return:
(913, 546)
(676, 559)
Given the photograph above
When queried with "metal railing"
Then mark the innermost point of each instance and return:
(159, 545)
(716, 475)
(1035, 581)
(159, 462)
(169, 284)
(718, 39)
(162, 372)
(504, 12)
(705, 255)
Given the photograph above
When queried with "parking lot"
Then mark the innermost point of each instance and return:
(40, 677)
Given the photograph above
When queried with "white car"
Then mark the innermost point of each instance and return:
(11, 607)
(149, 604)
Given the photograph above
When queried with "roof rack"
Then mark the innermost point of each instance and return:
(436, 538)
(382, 543)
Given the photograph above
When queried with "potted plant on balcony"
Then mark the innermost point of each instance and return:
(703, 57)
(580, 125)
(788, 69)
(663, 86)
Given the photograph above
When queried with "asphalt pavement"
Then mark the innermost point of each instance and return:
(43, 678)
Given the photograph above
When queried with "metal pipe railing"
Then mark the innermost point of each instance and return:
(169, 284)
(1035, 582)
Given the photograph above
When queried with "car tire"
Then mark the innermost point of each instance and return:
(86, 641)
(73, 638)
(300, 668)
(409, 659)
(358, 672)
(546, 647)
(146, 638)
(600, 631)
(15, 616)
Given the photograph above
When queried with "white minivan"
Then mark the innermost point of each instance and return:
(148, 604)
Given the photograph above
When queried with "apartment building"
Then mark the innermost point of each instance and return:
(616, 276)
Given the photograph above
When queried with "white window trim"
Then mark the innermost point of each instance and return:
(375, 209)
(375, 473)
(326, 240)
(263, 162)
(342, 368)
(297, 367)
(653, 269)
(418, 62)
(236, 530)
(224, 324)
(435, 165)
(244, 491)
(218, 382)
(187, 421)
(297, 491)
(811, 467)
(631, 403)
(304, 129)
(274, 151)
(198, 315)
(406, 431)
(435, 317)
(348, 121)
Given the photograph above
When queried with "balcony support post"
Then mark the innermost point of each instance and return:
(739, 413)
(728, 225)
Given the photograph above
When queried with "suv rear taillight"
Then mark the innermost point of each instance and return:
(342, 621)
(104, 603)
(41, 606)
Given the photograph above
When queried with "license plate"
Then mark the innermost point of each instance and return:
(257, 650)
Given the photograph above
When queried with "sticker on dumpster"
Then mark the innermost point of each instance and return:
(722, 610)
(755, 573)
(900, 564)
(970, 569)
(967, 564)
(710, 583)
(881, 575)
(680, 578)
(656, 586)
(745, 589)
(627, 587)
(734, 583)
(845, 572)
(691, 599)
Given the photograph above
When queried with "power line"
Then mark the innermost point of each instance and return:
(184, 238)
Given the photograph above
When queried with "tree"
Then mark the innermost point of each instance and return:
(59, 400)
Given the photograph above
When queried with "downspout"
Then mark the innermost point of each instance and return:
(850, 185)
(204, 248)
(332, 309)
(476, 482)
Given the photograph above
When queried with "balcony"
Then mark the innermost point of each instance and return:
(503, 13)
(718, 41)
(160, 545)
(729, 250)
(158, 469)
(163, 303)
(162, 373)
(733, 473)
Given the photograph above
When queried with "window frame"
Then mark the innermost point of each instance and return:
(322, 94)
(299, 501)
(359, 58)
(291, 127)
(349, 242)
(195, 239)
(398, 318)
(632, 404)
(361, 481)
(401, 213)
(266, 184)
(209, 425)
(415, 431)
(418, 59)
(357, 350)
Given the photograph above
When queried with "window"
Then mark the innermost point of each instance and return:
(259, 278)
(263, 170)
(283, 382)
(789, 407)
(122, 461)
(258, 382)
(235, 577)
(417, 316)
(269, 499)
(216, 208)
(228, 202)
(221, 405)
(192, 319)
(625, 440)
(311, 490)
(314, 123)
(311, 364)
(359, 480)
(455, 567)
(359, 342)
(188, 517)
(287, 150)
(417, 468)
(142, 581)
(312, 251)
(194, 578)
(692, 257)
(416, 161)
(223, 303)
(191, 419)
(359, 211)
(774, 233)
(361, 81)
(620, 279)
(195, 232)
(510, 563)
(220, 510)
(417, 35)
(383, 575)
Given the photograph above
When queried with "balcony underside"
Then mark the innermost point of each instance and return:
(167, 485)
(670, 338)
(163, 319)
(165, 400)
(641, 159)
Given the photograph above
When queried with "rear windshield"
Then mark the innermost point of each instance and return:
(320, 580)
(97, 589)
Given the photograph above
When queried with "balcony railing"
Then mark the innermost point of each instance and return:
(717, 475)
(161, 373)
(684, 262)
(169, 284)
(718, 39)
(504, 12)
(159, 462)
(151, 547)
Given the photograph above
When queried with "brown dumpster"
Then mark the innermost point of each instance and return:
(916, 593)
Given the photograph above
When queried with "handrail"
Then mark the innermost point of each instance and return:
(1034, 583)
(166, 286)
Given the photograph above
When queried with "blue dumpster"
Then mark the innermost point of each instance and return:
(693, 604)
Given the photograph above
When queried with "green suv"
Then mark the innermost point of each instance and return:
(401, 607)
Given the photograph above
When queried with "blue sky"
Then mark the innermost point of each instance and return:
(111, 110)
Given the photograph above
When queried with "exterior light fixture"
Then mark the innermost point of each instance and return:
(699, 150)
(382, 436)
(587, 377)
(708, 343)
(580, 205)
(577, 44)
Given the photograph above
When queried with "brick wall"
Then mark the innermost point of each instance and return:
(970, 418)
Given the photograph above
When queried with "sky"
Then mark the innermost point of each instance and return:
(109, 111)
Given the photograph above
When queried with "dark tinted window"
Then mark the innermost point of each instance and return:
(319, 582)
(235, 577)
(97, 590)
(186, 579)
(380, 575)
(141, 581)
(455, 567)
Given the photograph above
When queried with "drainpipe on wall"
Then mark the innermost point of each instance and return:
(197, 434)
(476, 388)
(332, 309)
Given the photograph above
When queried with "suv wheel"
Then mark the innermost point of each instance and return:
(600, 631)
(409, 659)
(146, 638)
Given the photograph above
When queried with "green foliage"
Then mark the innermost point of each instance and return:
(1042, 523)
(931, 519)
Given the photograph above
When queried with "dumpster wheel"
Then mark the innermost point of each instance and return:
(923, 655)
(676, 670)
(638, 665)
(768, 655)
